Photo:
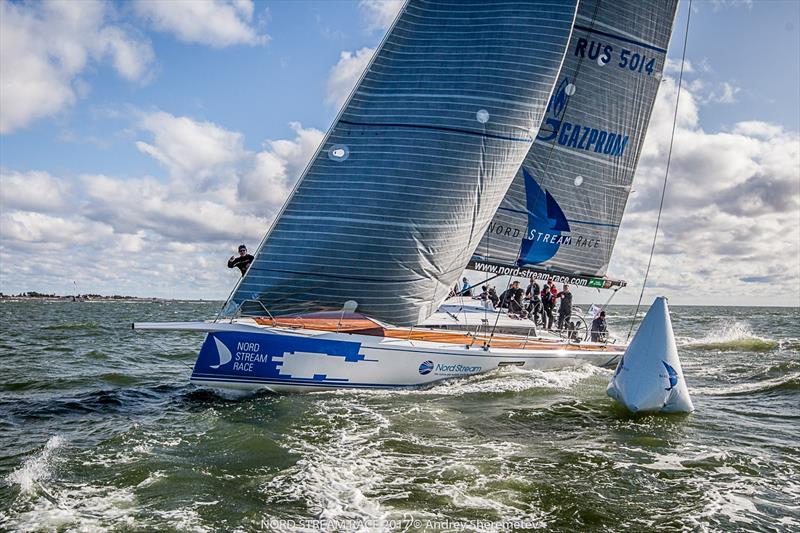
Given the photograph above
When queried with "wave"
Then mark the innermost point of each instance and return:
(72, 326)
(497, 381)
(790, 382)
(734, 337)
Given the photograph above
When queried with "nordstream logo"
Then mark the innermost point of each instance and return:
(547, 224)
(223, 352)
(672, 375)
(573, 135)
(426, 367)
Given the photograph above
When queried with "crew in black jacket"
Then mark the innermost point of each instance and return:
(565, 310)
(243, 261)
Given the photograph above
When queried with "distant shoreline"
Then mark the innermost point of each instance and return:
(98, 298)
(138, 299)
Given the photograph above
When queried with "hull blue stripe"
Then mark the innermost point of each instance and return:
(310, 383)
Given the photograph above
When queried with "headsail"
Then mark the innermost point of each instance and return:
(393, 204)
(562, 212)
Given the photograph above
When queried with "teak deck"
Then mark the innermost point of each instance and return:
(365, 326)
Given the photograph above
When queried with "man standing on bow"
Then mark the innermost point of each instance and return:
(243, 261)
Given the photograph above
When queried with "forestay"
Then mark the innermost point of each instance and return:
(562, 212)
(396, 199)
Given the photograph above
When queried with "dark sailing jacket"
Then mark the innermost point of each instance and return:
(242, 262)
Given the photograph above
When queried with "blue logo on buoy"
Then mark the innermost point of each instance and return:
(426, 367)
(672, 375)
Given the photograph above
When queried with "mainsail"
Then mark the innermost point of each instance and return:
(562, 212)
(391, 207)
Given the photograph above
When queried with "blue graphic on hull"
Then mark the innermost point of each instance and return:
(546, 222)
(230, 356)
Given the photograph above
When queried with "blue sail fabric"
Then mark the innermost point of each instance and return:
(392, 206)
(587, 148)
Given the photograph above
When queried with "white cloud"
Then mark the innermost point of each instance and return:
(277, 168)
(44, 47)
(34, 191)
(191, 150)
(674, 66)
(757, 128)
(727, 93)
(725, 4)
(379, 14)
(715, 93)
(731, 215)
(176, 233)
(34, 227)
(345, 73)
(217, 23)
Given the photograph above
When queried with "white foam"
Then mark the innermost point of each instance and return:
(339, 465)
(78, 508)
(509, 379)
(724, 334)
(37, 468)
(346, 471)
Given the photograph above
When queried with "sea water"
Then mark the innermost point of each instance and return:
(100, 430)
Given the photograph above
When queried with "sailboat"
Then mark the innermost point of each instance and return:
(497, 137)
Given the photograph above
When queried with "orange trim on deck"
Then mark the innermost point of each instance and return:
(365, 326)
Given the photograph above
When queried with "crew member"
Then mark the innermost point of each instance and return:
(565, 309)
(600, 328)
(466, 290)
(535, 301)
(242, 262)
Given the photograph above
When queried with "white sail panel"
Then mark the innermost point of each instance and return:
(562, 212)
(392, 206)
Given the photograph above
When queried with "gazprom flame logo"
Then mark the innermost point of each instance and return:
(555, 110)
(426, 367)
(547, 225)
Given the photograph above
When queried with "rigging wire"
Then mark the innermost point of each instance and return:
(666, 172)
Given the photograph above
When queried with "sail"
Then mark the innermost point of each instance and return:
(562, 212)
(391, 207)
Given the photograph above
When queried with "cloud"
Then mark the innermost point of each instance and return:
(673, 66)
(731, 214)
(145, 204)
(34, 191)
(174, 232)
(191, 150)
(217, 23)
(277, 168)
(45, 46)
(726, 4)
(29, 226)
(344, 75)
(379, 14)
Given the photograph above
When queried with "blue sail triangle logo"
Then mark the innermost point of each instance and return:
(546, 224)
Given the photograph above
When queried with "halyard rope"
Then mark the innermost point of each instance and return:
(666, 172)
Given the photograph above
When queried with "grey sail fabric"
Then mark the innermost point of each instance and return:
(392, 206)
(562, 212)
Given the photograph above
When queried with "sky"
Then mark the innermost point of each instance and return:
(141, 142)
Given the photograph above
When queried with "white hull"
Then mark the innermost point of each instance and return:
(244, 356)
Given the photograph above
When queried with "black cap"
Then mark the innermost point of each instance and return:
(242, 247)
